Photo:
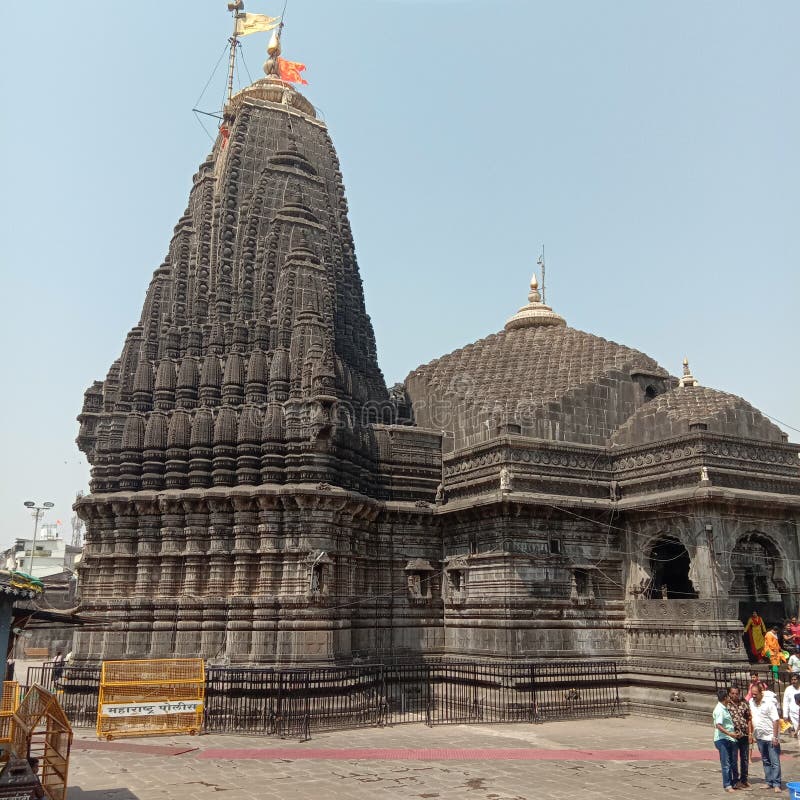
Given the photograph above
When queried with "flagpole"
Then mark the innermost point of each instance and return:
(234, 41)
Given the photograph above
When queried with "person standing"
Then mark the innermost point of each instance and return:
(58, 666)
(794, 627)
(765, 730)
(739, 709)
(754, 633)
(791, 711)
(754, 679)
(794, 660)
(724, 738)
(772, 650)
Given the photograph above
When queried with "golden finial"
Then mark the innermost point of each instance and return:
(533, 296)
(273, 52)
(688, 379)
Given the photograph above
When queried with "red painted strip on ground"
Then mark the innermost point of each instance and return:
(486, 754)
(128, 747)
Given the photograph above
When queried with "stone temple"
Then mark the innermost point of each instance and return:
(259, 496)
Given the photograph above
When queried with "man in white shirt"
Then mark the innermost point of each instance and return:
(791, 710)
(765, 729)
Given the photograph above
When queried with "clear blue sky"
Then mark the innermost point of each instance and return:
(652, 146)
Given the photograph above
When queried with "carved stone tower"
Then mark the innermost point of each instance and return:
(253, 365)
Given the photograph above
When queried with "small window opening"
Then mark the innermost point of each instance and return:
(555, 547)
(316, 578)
(582, 583)
(455, 580)
(649, 393)
(419, 586)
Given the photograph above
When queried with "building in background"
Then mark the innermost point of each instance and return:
(54, 562)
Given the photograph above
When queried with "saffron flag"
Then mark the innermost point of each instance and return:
(289, 71)
(255, 23)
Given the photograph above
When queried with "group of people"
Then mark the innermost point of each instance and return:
(757, 719)
(775, 644)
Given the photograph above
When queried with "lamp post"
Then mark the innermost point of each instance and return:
(38, 511)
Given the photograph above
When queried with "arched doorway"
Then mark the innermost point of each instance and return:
(758, 582)
(669, 566)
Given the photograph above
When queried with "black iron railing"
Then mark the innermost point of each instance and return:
(77, 689)
(725, 677)
(296, 702)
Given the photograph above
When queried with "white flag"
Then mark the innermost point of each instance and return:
(255, 23)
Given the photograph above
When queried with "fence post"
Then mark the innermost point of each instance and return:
(534, 706)
(427, 673)
(383, 699)
(615, 673)
(307, 713)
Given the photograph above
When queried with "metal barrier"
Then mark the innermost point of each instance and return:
(295, 702)
(8, 705)
(151, 696)
(575, 691)
(292, 702)
(725, 677)
(76, 688)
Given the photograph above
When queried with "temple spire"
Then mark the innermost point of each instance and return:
(688, 379)
(536, 313)
(273, 52)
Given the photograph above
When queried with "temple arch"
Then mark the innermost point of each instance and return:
(759, 577)
(670, 563)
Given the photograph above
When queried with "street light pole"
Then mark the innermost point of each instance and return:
(38, 511)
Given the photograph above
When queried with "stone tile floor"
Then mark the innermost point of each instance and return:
(476, 762)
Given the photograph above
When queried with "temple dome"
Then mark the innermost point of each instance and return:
(550, 381)
(689, 408)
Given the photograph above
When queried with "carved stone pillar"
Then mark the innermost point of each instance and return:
(265, 630)
(219, 554)
(170, 580)
(212, 640)
(245, 536)
(124, 549)
(187, 635)
(140, 626)
(165, 612)
(196, 535)
(238, 634)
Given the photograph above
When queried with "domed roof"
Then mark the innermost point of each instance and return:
(672, 414)
(553, 381)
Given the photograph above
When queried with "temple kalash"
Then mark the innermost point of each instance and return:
(259, 496)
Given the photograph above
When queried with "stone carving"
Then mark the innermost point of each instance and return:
(251, 472)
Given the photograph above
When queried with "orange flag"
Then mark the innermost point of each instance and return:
(289, 71)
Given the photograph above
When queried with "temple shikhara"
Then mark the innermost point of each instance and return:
(260, 496)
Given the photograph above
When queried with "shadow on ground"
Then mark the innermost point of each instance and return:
(76, 793)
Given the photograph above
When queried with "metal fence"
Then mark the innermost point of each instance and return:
(77, 689)
(297, 702)
(725, 677)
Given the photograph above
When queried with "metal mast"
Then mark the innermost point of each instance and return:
(540, 262)
(237, 9)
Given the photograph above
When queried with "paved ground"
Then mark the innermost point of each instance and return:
(625, 759)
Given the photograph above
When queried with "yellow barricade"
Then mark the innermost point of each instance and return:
(8, 705)
(158, 696)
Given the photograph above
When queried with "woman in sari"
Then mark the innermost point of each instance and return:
(754, 632)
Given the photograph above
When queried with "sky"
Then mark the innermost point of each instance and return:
(651, 147)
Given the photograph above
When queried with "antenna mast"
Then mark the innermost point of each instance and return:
(236, 8)
(540, 262)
